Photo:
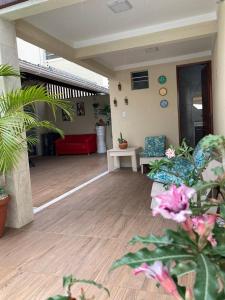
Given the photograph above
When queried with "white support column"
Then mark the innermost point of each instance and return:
(18, 184)
(219, 73)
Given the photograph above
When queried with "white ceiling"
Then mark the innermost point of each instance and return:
(145, 56)
(92, 22)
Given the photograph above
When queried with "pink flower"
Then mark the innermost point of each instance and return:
(160, 273)
(203, 226)
(212, 240)
(174, 204)
(170, 153)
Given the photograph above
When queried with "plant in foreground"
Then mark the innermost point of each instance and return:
(197, 247)
(17, 116)
(69, 282)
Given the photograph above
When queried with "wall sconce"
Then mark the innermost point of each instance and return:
(126, 101)
(119, 86)
(115, 102)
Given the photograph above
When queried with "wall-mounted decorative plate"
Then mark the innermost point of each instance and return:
(163, 91)
(162, 79)
(164, 103)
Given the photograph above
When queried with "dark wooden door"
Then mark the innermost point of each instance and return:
(207, 99)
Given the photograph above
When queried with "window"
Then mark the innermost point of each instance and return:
(50, 55)
(139, 80)
(6, 3)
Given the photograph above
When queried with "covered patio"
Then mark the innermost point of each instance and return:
(89, 229)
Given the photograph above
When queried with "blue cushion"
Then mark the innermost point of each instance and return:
(200, 156)
(180, 172)
(181, 167)
(165, 178)
(155, 146)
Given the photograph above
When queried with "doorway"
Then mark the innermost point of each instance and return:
(194, 101)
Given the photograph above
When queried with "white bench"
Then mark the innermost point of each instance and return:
(113, 156)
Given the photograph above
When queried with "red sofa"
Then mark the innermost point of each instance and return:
(76, 144)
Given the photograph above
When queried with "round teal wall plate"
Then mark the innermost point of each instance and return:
(164, 103)
(162, 79)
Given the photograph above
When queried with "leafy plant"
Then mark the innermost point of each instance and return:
(121, 140)
(197, 247)
(184, 150)
(70, 281)
(16, 119)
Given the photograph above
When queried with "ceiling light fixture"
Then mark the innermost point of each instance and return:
(119, 6)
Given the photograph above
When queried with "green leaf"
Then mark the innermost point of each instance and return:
(181, 238)
(218, 171)
(68, 281)
(144, 255)
(6, 70)
(206, 286)
(183, 268)
(221, 296)
(92, 282)
(222, 211)
(151, 239)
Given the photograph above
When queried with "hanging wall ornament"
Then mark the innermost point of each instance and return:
(163, 92)
(162, 79)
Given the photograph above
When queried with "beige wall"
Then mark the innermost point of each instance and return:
(85, 124)
(219, 74)
(144, 116)
(216, 105)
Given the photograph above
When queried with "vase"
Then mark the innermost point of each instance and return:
(123, 146)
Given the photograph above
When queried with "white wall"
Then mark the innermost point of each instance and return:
(30, 53)
(85, 124)
(143, 116)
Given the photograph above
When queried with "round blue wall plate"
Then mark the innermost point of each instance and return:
(164, 103)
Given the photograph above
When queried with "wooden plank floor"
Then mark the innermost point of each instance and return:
(52, 176)
(82, 235)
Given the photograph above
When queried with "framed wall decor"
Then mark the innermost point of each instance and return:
(80, 109)
(164, 103)
(163, 91)
(162, 79)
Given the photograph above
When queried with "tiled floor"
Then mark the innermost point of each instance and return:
(82, 235)
(52, 176)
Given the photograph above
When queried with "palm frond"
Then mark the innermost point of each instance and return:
(6, 70)
(15, 101)
(16, 118)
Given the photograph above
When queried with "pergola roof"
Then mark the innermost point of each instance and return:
(51, 75)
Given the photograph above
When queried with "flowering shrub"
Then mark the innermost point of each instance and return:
(198, 244)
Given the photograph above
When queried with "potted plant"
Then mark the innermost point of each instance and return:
(15, 119)
(4, 200)
(123, 144)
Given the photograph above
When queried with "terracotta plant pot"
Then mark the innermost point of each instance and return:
(3, 214)
(123, 146)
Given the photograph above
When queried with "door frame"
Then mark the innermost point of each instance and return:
(178, 67)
